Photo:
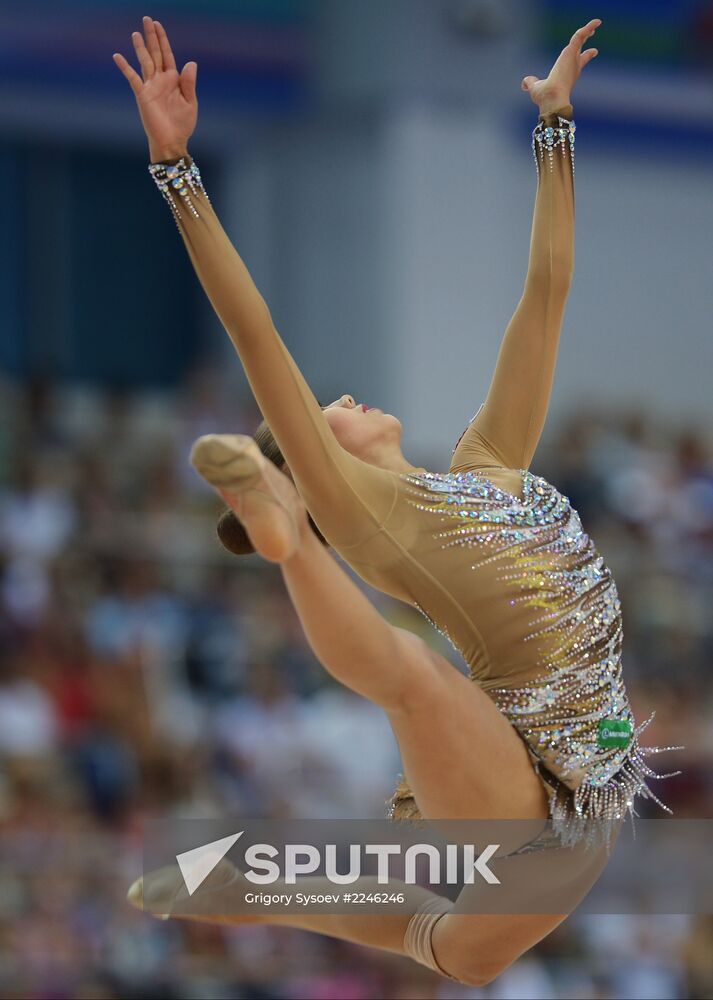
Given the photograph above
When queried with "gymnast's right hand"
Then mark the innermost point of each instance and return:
(166, 99)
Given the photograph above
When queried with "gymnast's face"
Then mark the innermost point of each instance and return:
(362, 430)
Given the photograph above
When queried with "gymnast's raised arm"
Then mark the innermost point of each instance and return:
(507, 428)
(327, 475)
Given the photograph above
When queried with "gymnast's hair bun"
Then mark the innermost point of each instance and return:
(233, 535)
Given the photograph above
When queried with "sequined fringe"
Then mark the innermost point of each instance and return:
(546, 137)
(593, 812)
(181, 179)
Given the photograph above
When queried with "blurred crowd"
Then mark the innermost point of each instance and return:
(144, 670)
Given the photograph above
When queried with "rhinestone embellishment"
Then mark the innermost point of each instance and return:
(547, 563)
(547, 138)
(178, 179)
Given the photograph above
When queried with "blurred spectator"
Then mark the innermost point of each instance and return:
(143, 669)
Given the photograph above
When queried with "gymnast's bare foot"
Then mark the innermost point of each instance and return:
(263, 498)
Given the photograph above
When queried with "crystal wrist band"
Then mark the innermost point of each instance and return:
(180, 179)
(545, 138)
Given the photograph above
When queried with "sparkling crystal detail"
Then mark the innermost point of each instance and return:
(546, 138)
(550, 565)
(184, 180)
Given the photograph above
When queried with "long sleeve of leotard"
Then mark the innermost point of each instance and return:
(348, 498)
(506, 429)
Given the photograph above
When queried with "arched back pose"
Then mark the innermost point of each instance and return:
(490, 553)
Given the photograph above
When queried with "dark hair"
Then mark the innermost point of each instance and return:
(231, 532)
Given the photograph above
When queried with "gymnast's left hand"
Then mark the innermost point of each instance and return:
(166, 99)
(554, 92)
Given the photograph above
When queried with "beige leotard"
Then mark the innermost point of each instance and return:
(490, 553)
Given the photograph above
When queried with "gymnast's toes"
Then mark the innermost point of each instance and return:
(227, 460)
(158, 891)
(263, 498)
(135, 895)
(164, 891)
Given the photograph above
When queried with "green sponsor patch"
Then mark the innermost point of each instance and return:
(614, 732)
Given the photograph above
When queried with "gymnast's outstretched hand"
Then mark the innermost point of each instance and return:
(554, 91)
(166, 99)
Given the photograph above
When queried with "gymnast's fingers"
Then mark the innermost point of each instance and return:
(152, 44)
(582, 34)
(187, 81)
(166, 51)
(129, 72)
(145, 61)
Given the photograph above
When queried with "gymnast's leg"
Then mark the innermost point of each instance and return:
(455, 744)
(471, 948)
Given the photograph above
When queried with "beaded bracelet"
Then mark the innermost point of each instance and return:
(181, 179)
(546, 137)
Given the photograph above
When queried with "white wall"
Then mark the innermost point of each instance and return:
(638, 326)
(302, 204)
(392, 249)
